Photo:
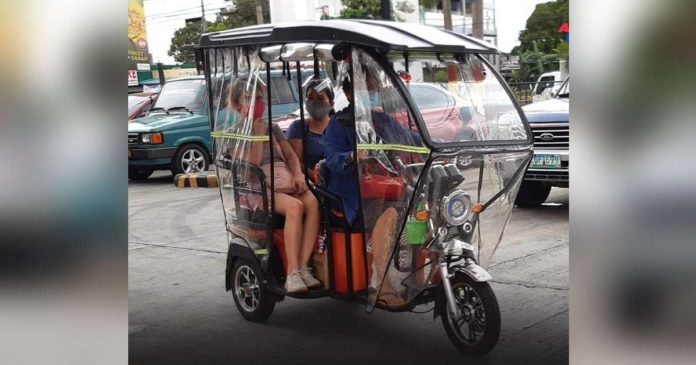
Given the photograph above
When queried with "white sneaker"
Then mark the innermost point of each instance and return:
(294, 283)
(309, 280)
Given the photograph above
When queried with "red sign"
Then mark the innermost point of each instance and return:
(564, 28)
(132, 78)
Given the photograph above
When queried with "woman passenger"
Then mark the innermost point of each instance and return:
(300, 209)
(318, 104)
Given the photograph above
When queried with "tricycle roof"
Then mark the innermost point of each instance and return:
(388, 36)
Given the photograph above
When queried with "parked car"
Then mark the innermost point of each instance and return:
(549, 120)
(139, 104)
(547, 85)
(175, 133)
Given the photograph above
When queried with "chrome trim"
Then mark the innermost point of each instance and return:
(447, 286)
(270, 54)
(474, 271)
(445, 211)
(559, 124)
(297, 52)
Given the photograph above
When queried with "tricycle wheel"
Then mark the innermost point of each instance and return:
(253, 300)
(476, 330)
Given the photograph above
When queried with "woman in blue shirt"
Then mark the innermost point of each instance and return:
(318, 104)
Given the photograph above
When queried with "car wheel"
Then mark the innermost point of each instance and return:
(139, 172)
(532, 194)
(189, 159)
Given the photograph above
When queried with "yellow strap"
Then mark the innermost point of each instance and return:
(239, 136)
(394, 147)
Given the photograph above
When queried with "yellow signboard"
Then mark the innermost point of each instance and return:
(137, 37)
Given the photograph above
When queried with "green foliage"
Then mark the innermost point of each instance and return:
(243, 14)
(183, 38)
(541, 45)
(541, 33)
(429, 4)
(440, 76)
(563, 51)
(360, 9)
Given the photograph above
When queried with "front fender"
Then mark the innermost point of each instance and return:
(474, 271)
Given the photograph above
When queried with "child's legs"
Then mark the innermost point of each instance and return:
(292, 209)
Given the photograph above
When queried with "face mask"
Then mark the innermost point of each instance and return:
(259, 108)
(317, 109)
(374, 98)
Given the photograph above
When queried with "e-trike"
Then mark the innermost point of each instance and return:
(449, 176)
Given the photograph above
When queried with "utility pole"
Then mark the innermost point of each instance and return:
(202, 17)
(447, 12)
(477, 18)
(385, 10)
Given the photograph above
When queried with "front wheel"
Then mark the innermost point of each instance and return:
(476, 330)
(190, 158)
(253, 300)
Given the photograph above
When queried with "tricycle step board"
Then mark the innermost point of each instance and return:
(196, 181)
(311, 294)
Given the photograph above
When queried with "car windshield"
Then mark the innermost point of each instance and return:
(184, 93)
(134, 102)
(564, 92)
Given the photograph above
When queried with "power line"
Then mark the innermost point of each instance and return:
(185, 10)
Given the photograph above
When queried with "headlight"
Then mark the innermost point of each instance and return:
(154, 138)
(456, 207)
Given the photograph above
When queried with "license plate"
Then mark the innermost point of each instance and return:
(544, 161)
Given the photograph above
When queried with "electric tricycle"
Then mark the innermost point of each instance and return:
(430, 207)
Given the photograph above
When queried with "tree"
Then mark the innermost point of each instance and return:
(541, 45)
(181, 47)
(241, 13)
(360, 9)
(541, 33)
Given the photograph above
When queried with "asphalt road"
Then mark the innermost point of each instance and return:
(181, 314)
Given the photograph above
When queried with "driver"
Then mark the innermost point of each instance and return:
(340, 141)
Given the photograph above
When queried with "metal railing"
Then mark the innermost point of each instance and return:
(525, 92)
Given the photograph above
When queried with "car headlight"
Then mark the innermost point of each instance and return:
(154, 138)
(456, 207)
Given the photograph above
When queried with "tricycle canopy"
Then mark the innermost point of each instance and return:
(439, 139)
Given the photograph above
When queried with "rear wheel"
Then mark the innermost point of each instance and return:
(476, 330)
(139, 172)
(532, 194)
(253, 300)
